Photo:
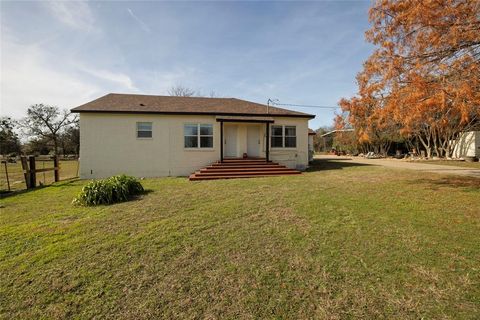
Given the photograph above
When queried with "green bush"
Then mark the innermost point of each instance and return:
(107, 191)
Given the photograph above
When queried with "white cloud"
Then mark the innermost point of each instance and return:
(29, 75)
(142, 24)
(74, 14)
(117, 78)
(27, 78)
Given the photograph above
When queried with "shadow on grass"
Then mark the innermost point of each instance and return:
(465, 183)
(133, 198)
(62, 184)
(5, 194)
(141, 195)
(333, 164)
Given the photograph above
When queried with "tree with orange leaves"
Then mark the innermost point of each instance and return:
(423, 80)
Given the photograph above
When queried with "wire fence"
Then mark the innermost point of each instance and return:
(12, 176)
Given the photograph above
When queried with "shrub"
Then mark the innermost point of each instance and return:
(107, 191)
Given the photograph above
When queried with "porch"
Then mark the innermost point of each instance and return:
(244, 151)
(244, 137)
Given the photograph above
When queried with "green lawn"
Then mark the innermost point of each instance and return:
(341, 242)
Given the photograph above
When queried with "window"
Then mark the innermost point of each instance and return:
(290, 137)
(144, 129)
(190, 131)
(206, 136)
(198, 135)
(277, 136)
(284, 137)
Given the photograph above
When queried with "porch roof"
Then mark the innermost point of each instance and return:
(244, 119)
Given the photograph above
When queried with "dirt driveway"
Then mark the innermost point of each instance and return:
(402, 164)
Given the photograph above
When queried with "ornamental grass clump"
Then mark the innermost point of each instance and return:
(107, 191)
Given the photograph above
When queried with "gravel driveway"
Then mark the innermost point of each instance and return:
(402, 164)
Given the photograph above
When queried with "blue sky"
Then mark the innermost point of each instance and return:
(67, 53)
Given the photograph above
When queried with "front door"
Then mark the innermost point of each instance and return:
(230, 143)
(253, 141)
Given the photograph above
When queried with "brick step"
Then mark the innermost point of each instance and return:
(249, 166)
(194, 177)
(243, 173)
(242, 159)
(242, 168)
(223, 169)
(245, 164)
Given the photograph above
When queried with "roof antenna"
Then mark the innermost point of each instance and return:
(272, 101)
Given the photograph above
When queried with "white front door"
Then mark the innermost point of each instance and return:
(253, 141)
(230, 140)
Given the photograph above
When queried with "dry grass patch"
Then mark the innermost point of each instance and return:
(464, 164)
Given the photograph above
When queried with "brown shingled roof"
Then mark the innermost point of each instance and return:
(136, 103)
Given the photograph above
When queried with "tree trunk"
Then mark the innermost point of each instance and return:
(55, 146)
(427, 146)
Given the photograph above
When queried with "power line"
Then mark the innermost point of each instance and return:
(304, 105)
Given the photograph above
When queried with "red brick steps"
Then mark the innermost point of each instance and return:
(195, 178)
(245, 169)
(241, 168)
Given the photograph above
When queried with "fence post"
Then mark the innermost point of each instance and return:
(78, 167)
(57, 168)
(6, 174)
(33, 173)
(26, 172)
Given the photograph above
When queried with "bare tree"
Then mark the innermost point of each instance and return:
(181, 91)
(47, 122)
(213, 94)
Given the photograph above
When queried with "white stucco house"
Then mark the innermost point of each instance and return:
(153, 136)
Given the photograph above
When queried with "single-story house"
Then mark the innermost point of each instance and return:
(152, 136)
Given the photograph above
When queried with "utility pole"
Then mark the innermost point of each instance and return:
(272, 101)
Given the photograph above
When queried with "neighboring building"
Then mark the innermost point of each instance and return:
(335, 145)
(311, 149)
(151, 136)
(468, 145)
(333, 132)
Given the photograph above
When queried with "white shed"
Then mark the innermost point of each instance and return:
(468, 145)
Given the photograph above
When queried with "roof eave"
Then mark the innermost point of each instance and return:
(309, 116)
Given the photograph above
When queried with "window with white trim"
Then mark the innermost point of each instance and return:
(277, 137)
(144, 129)
(198, 135)
(283, 137)
(290, 136)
